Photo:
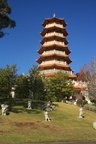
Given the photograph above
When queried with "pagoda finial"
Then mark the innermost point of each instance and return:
(54, 15)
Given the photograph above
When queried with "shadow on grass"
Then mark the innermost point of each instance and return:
(17, 105)
(21, 110)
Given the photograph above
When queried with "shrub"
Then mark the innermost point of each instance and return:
(81, 102)
(90, 107)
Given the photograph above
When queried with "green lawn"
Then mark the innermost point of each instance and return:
(29, 126)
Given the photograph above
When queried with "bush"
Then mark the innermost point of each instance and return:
(90, 107)
(85, 102)
(81, 102)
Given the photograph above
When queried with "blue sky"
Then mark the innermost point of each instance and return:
(20, 45)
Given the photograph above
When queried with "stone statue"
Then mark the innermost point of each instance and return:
(81, 113)
(29, 105)
(94, 125)
(46, 117)
(12, 92)
(75, 103)
(4, 109)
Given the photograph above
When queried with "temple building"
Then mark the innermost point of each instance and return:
(54, 52)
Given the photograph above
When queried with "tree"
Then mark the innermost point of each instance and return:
(7, 80)
(88, 74)
(59, 86)
(5, 19)
(36, 84)
(22, 87)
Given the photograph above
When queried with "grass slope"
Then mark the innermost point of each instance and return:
(29, 126)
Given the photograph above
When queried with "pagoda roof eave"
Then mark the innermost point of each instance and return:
(73, 76)
(56, 56)
(40, 51)
(54, 19)
(46, 39)
(80, 88)
(51, 74)
(65, 67)
(54, 28)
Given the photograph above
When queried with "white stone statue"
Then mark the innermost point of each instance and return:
(70, 98)
(48, 104)
(29, 105)
(46, 117)
(81, 113)
(4, 109)
(75, 103)
(12, 92)
(94, 125)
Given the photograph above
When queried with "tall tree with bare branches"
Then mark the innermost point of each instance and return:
(88, 74)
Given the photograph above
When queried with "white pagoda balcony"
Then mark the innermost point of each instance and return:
(54, 24)
(54, 42)
(51, 52)
(48, 71)
(51, 62)
(54, 34)
(55, 71)
(79, 84)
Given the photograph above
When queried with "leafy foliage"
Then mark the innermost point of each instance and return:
(5, 20)
(22, 89)
(36, 84)
(59, 87)
(7, 79)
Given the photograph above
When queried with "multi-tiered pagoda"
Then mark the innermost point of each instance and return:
(54, 52)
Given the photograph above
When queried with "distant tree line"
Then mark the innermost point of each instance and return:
(34, 86)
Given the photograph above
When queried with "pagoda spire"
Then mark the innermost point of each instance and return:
(54, 15)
